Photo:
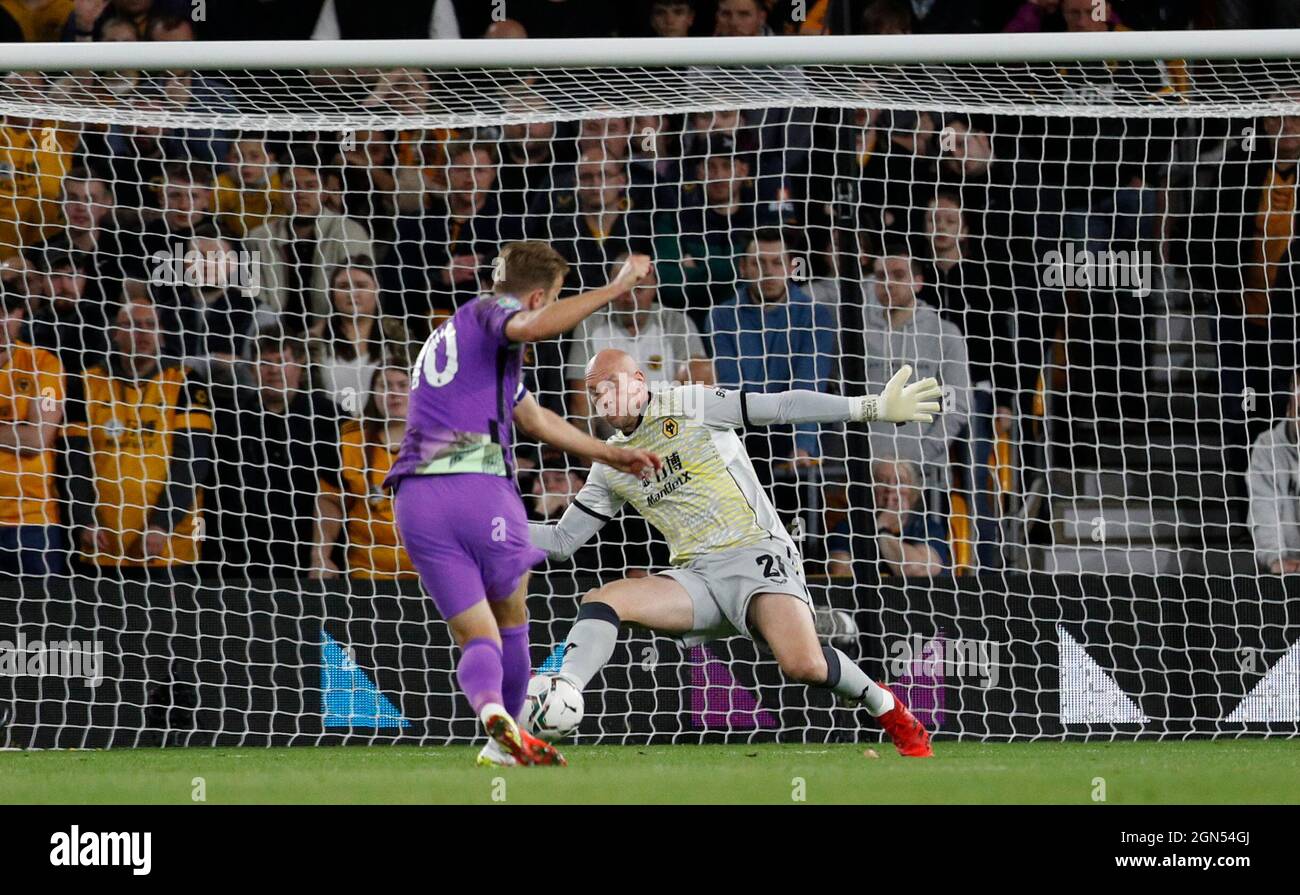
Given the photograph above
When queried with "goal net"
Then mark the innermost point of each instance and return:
(220, 262)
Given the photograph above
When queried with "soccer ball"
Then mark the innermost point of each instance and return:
(553, 709)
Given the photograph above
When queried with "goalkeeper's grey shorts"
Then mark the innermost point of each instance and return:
(722, 585)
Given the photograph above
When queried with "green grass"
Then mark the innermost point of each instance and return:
(1203, 771)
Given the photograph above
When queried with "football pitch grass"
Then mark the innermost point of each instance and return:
(1179, 772)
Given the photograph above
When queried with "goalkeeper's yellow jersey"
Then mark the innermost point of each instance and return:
(707, 497)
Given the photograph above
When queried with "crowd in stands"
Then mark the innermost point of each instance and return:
(205, 336)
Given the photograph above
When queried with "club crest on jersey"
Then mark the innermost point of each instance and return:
(670, 428)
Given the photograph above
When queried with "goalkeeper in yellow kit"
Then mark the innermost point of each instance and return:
(735, 569)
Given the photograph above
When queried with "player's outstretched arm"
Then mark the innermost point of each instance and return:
(898, 402)
(559, 317)
(550, 428)
(579, 524)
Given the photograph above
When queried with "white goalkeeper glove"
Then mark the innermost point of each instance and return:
(899, 402)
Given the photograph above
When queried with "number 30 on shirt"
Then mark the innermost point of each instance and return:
(426, 365)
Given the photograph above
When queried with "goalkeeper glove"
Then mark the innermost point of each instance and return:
(900, 403)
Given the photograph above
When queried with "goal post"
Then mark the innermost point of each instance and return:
(221, 258)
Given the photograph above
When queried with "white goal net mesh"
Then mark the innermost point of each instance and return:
(214, 284)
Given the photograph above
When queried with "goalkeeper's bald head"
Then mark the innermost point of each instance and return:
(616, 387)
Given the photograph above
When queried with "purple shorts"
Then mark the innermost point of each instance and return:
(467, 535)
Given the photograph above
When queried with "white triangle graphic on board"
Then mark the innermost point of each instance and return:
(1088, 694)
(1277, 695)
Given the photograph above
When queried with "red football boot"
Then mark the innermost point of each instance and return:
(910, 738)
(542, 752)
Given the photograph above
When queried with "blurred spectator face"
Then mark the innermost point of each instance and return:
(173, 29)
(18, 279)
(132, 9)
(647, 130)
(534, 137)
(279, 373)
(945, 224)
(65, 283)
(355, 293)
(1285, 131)
(740, 18)
(607, 134)
(185, 203)
(554, 490)
(393, 393)
(727, 121)
(927, 129)
(117, 30)
(215, 260)
(896, 282)
(640, 298)
(969, 151)
(887, 17)
(767, 264)
(135, 332)
(506, 29)
(251, 161)
(893, 486)
(86, 203)
(1085, 15)
(669, 18)
(11, 324)
(601, 184)
(402, 89)
(471, 173)
(372, 148)
(724, 176)
(307, 200)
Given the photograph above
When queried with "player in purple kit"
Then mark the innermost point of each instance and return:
(458, 510)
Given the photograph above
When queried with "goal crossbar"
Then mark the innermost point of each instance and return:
(657, 52)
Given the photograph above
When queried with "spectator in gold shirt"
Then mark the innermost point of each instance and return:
(34, 156)
(249, 192)
(32, 541)
(139, 442)
(354, 495)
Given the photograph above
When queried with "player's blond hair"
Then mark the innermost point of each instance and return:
(527, 265)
